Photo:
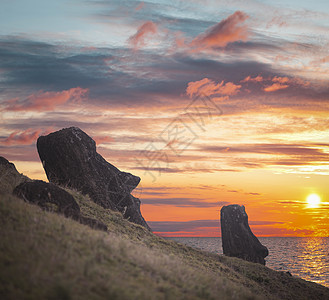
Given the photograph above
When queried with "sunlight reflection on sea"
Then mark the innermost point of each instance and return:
(307, 258)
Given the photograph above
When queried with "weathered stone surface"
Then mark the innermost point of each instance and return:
(237, 237)
(70, 159)
(9, 165)
(9, 176)
(50, 197)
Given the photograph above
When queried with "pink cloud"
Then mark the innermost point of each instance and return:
(45, 101)
(26, 137)
(275, 87)
(280, 79)
(276, 83)
(180, 41)
(204, 86)
(280, 83)
(301, 82)
(103, 139)
(320, 61)
(144, 31)
(229, 88)
(230, 30)
(208, 87)
(140, 6)
(277, 21)
(255, 79)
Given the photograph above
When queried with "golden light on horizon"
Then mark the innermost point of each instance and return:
(313, 201)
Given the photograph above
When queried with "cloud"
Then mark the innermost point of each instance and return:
(263, 148)
(277, 21)
(183, 202)
(278, 155)
(276, 83)
(45, 101)
(193, 225)
(251, 79)
(103, 139)
(280, 83)
(275, 87)
(26, 137)
(19, 152)
(276, 231)
(152, 80)
(320, 61)
(140, 6)
(144, 31)
(227, 31)
(264, 223)
(167, 226)
(159, 170)
(207, 87)
(282, 80)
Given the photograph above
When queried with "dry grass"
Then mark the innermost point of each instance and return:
(46, 256)
(9, 179)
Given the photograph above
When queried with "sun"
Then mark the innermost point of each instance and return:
(313, 201)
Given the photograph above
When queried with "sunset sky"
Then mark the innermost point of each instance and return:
(210, 102)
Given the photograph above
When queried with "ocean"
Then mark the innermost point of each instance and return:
(307, 258)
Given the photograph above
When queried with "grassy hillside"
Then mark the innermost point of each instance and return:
(46, 256)
(9, 178)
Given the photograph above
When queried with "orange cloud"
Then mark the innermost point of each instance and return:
(230, 30)
(255, 79)
(205, 86)
(280, 79)
(275, 87)
(229, 88)
(276, 83)
(208, 87)
(45, 101)
(26, 137)
(280, 83)
(301, 82)
(139, 38)
(323, 60)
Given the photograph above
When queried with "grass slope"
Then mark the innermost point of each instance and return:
(10, 178)
(46, 256)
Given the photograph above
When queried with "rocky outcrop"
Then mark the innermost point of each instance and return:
(49, 197)
(237, 237)
(52, 198)
(9, 176)
(70, 159)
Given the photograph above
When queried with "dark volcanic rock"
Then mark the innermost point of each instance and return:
(69, 158)
(237, 238)
(9, 176)
(49, 197)
(9, 165)
(52, 198)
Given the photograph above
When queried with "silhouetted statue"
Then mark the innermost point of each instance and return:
(70, 159)
(237, 238)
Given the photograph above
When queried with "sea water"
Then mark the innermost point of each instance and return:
(307, 258)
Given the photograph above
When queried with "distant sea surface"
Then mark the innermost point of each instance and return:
(307, 258)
